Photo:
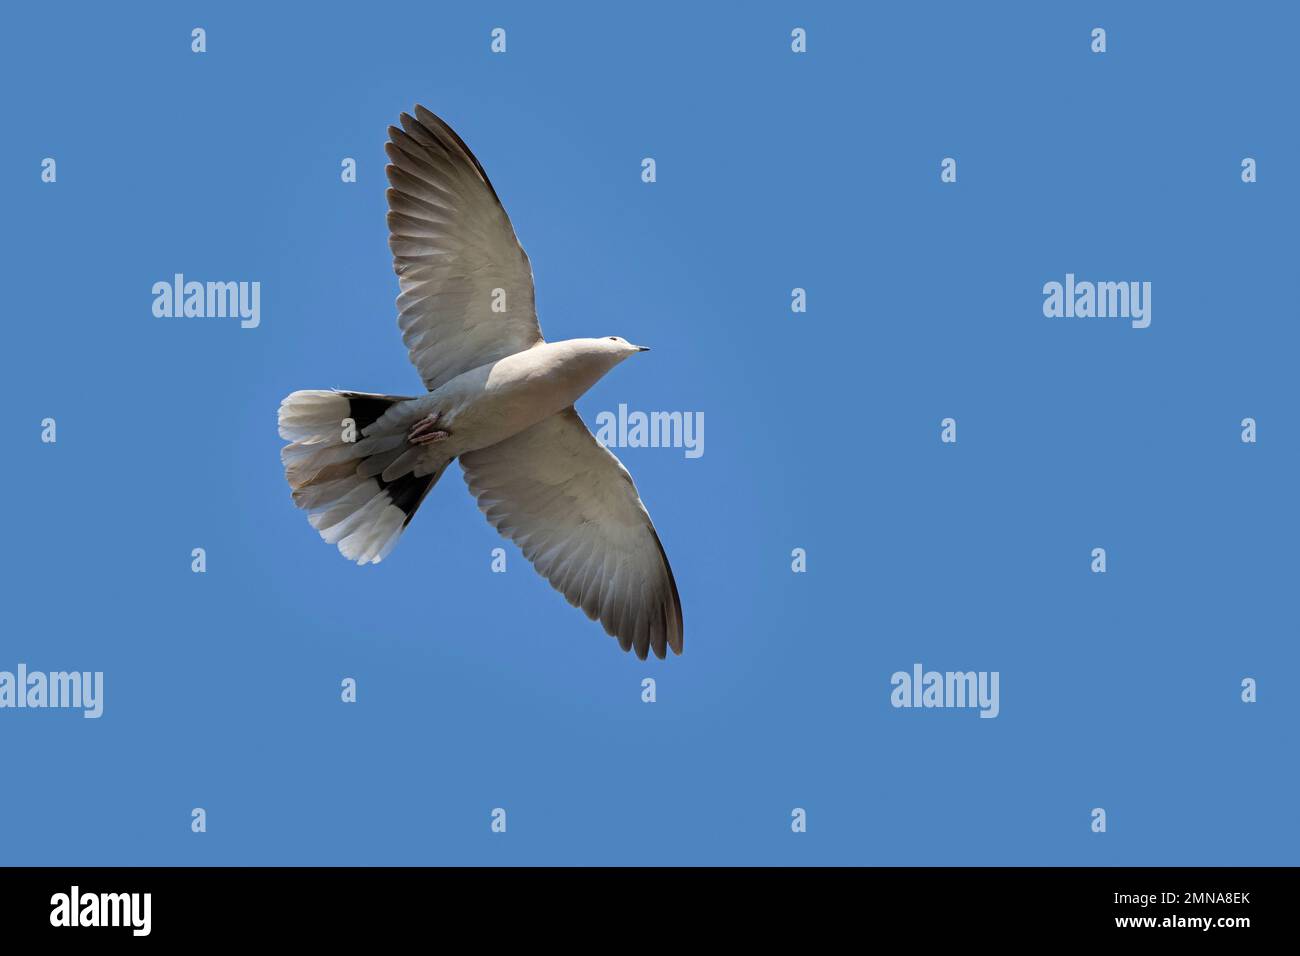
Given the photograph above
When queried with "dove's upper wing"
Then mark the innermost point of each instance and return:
(467, 286)
(573, 510)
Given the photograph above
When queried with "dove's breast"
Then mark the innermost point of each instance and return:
(490, 403)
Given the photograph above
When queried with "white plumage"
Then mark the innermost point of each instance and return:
(500, 399)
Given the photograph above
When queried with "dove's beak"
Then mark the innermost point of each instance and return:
(643, 348)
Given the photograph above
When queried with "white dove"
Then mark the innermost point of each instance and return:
(500, 399)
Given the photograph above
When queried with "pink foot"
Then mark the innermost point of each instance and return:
(426, 431)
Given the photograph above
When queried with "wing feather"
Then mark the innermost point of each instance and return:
(573, 509)
(453, 247)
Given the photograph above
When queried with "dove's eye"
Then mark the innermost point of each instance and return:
(613, 338)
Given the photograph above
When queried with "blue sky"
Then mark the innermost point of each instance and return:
(774, 171)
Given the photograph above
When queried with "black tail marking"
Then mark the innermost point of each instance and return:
(365, 410)
(407, 491)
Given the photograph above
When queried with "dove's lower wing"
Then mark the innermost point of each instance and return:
(573, 509)
(467, 285)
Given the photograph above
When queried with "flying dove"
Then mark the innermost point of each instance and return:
(500, 400)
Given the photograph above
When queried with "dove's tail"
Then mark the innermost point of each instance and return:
(335, 464)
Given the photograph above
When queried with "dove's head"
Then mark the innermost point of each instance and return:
(609, 350)
(589, 359)
(618, 346)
